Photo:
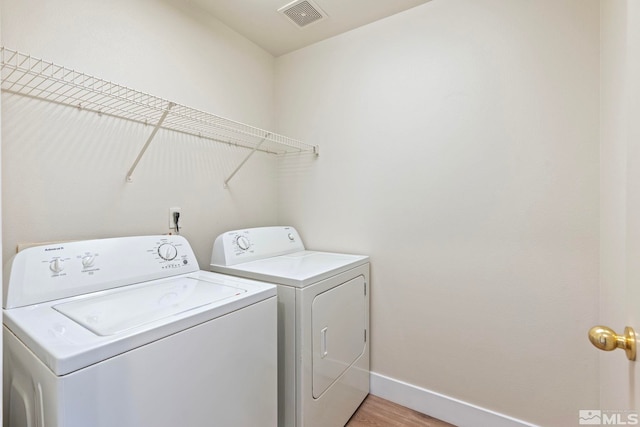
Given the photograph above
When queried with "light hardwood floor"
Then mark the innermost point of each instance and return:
(379, 412)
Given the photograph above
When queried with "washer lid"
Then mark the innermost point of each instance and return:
(76, 332)
(297, 269)
(117, 312)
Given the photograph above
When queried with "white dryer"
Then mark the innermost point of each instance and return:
(323, 321)
(129, 332)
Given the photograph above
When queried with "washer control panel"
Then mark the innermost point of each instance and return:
(44, 273)
(237, 246)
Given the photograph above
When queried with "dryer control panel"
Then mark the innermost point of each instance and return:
(251, 244)
(54, 271)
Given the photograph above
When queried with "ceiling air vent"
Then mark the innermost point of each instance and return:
(303, 12)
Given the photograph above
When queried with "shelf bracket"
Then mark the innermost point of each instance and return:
(226, 182)
(146, 145)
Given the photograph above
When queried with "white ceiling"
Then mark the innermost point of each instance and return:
(260, 22)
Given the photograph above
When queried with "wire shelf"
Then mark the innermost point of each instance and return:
(25, 75)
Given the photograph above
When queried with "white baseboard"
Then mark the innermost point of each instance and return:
(445, 408)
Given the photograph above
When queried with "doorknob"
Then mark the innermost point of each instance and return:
(606, 339)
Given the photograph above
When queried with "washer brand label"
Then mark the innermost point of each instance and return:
(59, 248)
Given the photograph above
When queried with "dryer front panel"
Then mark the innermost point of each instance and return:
(339, 326)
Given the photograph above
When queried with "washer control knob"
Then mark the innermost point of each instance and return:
(57, 265)
(290, 236)
(243, 243)
(88, 260)
(167, 251)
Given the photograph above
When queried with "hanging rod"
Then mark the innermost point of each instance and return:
(35, 78)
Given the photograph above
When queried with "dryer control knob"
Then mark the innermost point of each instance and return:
(88, 260)
(57, 265)
(243, 243)
(167, 251)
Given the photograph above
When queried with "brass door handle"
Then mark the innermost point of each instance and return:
(606, 339)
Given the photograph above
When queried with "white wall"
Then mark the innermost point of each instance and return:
(459, 148)
(64, 170)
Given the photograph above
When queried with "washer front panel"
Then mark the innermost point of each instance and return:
(220, 372)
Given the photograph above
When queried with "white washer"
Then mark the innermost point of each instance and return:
(128, 332)
(323, 321)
